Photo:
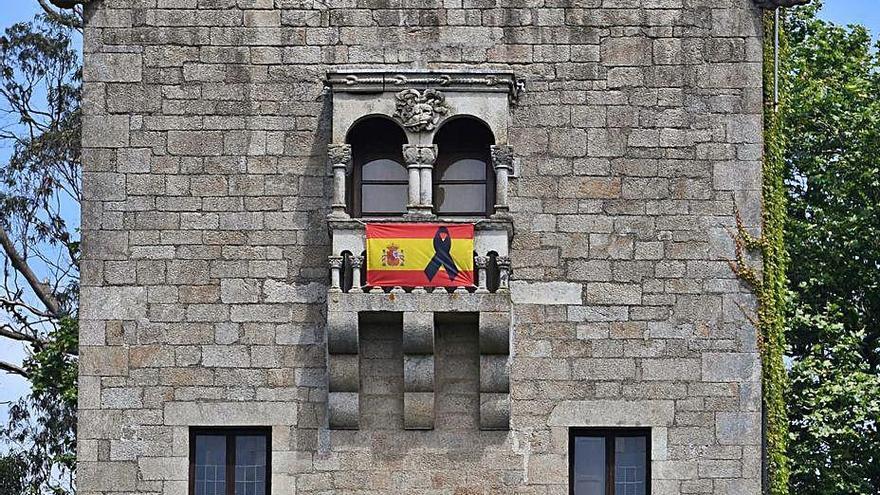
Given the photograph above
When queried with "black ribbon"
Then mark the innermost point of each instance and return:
(442, 256)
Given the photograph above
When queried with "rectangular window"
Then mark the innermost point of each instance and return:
(609, 461)
(230, 461)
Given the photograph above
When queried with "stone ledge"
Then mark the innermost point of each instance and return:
(437, 302)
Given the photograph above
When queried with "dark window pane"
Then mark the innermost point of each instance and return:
(210, 468)
(589, 466)
(467, 169)
(250, 465)
(629, 465)
(384, 198)
(383, 170)
(461, 198)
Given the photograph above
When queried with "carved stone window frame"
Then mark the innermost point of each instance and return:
(420, 102)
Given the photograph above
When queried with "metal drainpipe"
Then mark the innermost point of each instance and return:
(776, 59)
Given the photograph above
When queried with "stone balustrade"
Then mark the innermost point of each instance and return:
(348, 264)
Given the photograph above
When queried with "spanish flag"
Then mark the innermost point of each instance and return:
(420, 254)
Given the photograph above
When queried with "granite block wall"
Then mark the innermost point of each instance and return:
(205, 127)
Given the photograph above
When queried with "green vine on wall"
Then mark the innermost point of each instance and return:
(769, 284)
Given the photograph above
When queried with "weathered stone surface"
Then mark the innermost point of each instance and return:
(737, 428)
(113, 303)
(113, 67)
(546, 292)
(291, 293)
(205, 280)
(723, 367)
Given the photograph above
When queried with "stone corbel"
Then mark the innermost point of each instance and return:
(339, 156)
(420, 165)
(502, 162)
(418, 370)
(494, 371)
(344, 370)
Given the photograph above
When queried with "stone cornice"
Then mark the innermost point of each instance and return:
(377, 81)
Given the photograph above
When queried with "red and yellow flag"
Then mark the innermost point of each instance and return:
(420, 254)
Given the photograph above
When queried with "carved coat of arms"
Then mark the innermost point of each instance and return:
(420, 111)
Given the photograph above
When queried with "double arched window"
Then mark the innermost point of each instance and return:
(463, 177)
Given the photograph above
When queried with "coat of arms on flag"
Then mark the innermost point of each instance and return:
(420, 254)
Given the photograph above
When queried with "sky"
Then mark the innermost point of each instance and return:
(866, 12)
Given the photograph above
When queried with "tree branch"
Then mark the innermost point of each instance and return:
(63, 18)
(21, 266)
(13, 369)
(11, 333)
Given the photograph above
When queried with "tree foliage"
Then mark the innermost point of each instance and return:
(39, 207)
(12, 469)
(832, 123)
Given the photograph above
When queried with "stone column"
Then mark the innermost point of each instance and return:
(335, 273)
(356, 263)
(481, 262)
(343, 366)
(339, 156)
(503, 273)
(502, 161)
(414, 178)
(420, 157)
(418, 370)
(494, 370)
(426, 194)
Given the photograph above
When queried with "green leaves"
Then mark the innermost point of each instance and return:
(832, 124)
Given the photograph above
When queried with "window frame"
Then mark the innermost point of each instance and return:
(358, 183)
(487, 184)
(480, 151)
(609, 435)
(362, 136)
(230, 433)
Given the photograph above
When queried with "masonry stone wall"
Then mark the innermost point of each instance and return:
(205, 132)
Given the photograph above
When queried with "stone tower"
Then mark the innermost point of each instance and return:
(236, 152)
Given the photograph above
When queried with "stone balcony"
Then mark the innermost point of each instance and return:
(349, 300)
(491, 260)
